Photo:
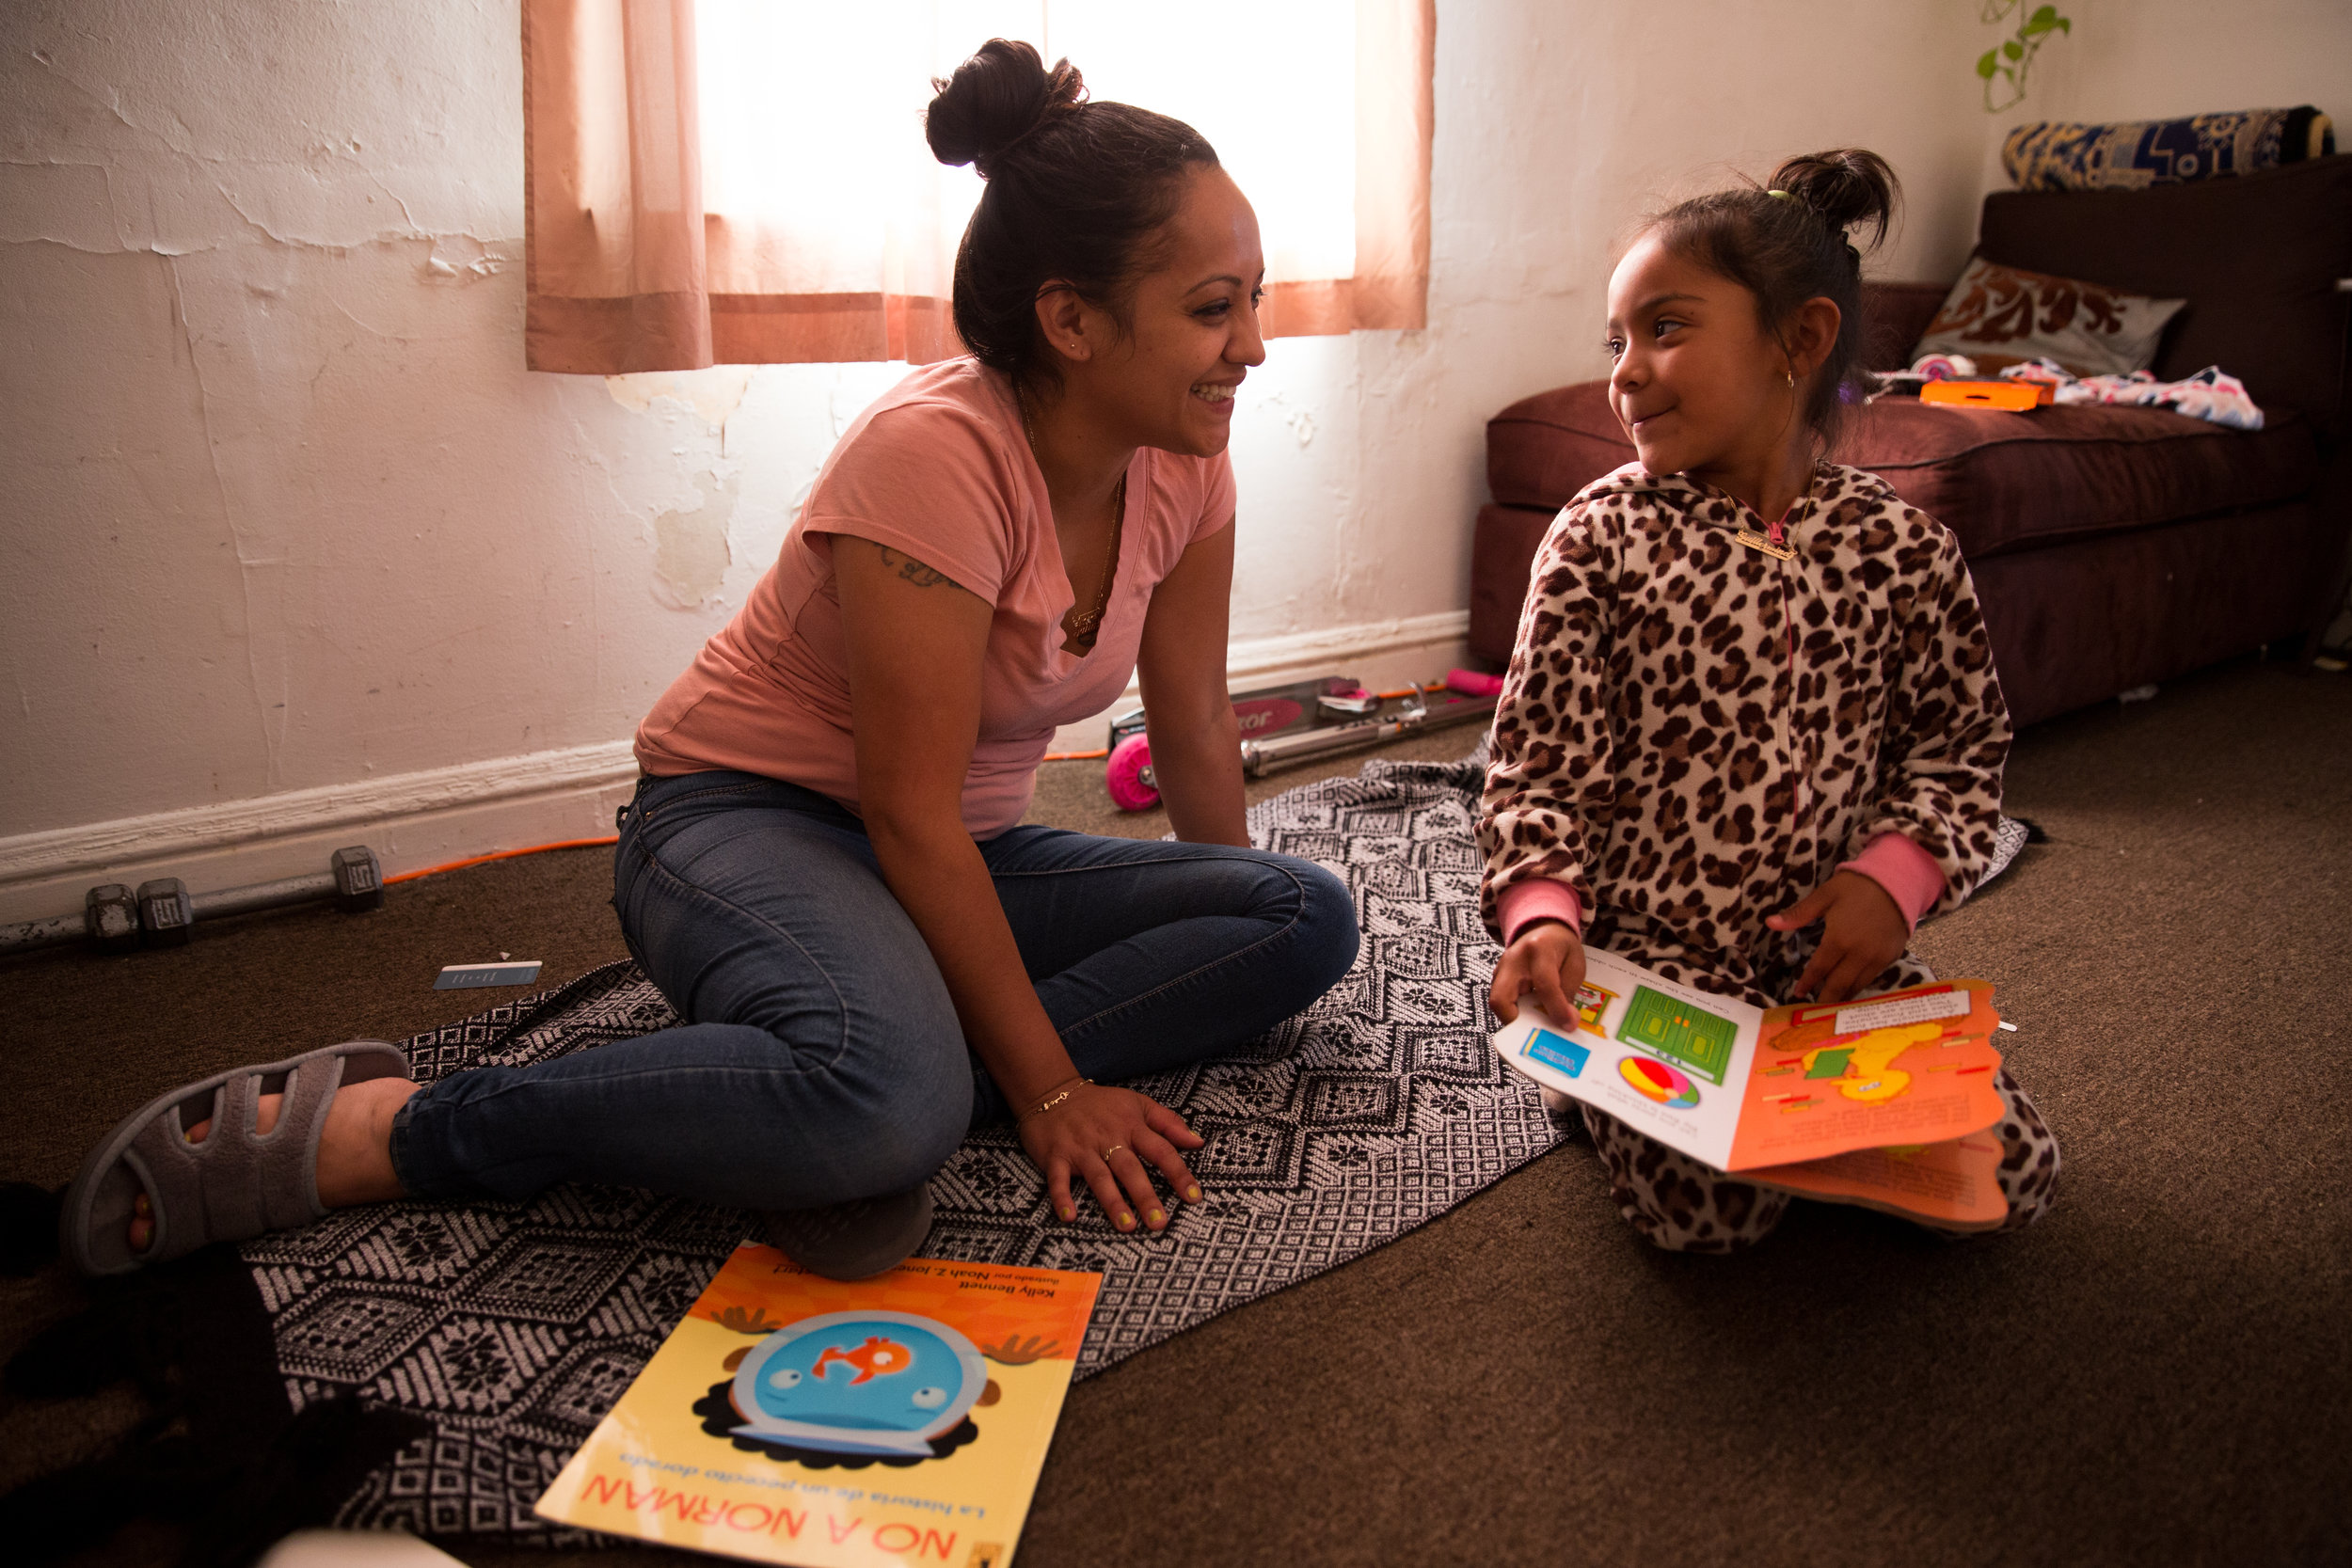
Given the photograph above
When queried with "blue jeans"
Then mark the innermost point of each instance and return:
(821, 1059)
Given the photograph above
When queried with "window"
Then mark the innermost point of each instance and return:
(746, 181)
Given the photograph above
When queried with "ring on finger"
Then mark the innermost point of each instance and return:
(1113, 1150)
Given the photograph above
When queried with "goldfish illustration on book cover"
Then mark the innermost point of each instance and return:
(797, 1420)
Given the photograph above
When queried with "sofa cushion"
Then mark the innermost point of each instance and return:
(2001, 481)
(2257, 257)
(2008, 482)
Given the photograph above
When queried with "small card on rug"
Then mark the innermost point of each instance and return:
(1882, 1101)
(797, 1420)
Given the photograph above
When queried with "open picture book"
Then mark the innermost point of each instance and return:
(1887, 1101)
(901, 1419)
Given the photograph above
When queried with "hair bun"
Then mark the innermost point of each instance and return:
(996, 100)
(1846, 186)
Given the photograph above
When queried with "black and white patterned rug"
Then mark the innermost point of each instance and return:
(512, 1327)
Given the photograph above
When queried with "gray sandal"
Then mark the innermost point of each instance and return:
(234, 1185)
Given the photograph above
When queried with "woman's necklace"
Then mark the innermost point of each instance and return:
(1080, 628)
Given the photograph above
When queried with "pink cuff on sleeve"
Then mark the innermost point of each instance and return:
(1522, 904)
(1908, 873)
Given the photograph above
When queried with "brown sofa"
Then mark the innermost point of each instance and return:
(2111, 547)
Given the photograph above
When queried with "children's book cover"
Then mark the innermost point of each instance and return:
(901, 1420)
(1743, 1089)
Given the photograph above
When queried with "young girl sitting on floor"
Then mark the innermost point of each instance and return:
(1751, 733)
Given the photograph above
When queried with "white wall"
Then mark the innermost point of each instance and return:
(2159, 59)
(297, 553)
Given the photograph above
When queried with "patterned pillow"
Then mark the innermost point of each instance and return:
(2134, 154)
(2000, 316)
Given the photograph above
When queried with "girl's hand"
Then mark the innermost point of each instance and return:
(1862, 932)
(1109, 1136)
(1546, 957)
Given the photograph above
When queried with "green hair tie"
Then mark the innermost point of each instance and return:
(1783, 195)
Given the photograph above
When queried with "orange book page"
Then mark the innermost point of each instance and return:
(896, 1422)
(1912, 1066)
(1954, 1183)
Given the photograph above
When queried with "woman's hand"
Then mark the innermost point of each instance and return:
(1862, 932)
(1113, 1138)
(1546, 957)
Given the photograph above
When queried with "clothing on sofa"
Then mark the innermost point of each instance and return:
(2212, 394)
(1693, 734)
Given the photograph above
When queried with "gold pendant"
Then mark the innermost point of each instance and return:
(1756, 541)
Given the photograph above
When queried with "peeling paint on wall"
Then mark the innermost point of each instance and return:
(693, 544)
(714, 394)
(463, 259)
(691, 553)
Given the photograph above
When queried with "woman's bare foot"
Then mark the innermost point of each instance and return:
(354, 1147)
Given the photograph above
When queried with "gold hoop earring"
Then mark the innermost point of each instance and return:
(1791, 377)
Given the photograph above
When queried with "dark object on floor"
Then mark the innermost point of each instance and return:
(221, 1451)
(128, 1331)
(237, 1500)
(28, 1226)
(2111, 546)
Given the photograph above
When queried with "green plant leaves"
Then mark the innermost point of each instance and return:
(2034, 29)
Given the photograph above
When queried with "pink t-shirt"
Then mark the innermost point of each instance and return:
(938, 468)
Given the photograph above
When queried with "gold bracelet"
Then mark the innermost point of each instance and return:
(1054, 1096)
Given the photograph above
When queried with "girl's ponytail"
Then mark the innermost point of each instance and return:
(1843, 188)
(1786, 243)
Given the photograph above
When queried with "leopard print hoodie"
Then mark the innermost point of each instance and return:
(1694, 735)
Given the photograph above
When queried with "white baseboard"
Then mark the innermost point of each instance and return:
(411, 820)
(414, 820)
(1322, 652)
(1378, 653)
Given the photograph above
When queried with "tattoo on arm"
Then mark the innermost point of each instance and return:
(912, 570)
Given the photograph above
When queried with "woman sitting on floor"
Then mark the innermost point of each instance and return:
(822, 868)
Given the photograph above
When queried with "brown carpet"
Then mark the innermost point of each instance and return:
(2160, 1372)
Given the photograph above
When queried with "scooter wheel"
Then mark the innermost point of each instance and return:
(1128, 775)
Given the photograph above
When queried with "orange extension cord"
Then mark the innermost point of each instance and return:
(503, 855)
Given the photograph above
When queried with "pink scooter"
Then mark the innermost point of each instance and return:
(1308, 718)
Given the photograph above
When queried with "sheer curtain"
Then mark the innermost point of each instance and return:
(746, 181)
